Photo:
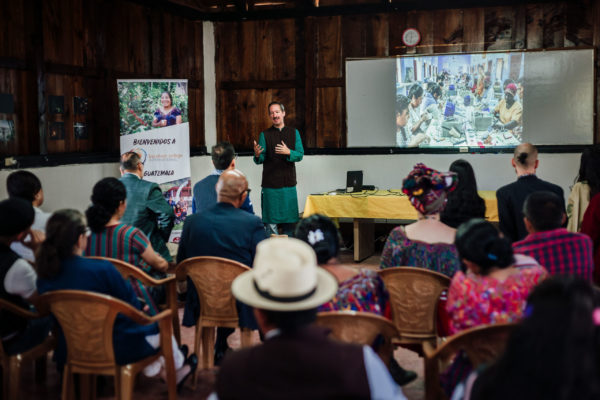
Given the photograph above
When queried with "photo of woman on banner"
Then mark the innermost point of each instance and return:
(166, 114)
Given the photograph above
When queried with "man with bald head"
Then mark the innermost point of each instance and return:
(223, 230)
(512, 196)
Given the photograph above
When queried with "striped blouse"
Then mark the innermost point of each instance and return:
(121, 241)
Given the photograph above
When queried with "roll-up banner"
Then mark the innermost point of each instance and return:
(154, 122)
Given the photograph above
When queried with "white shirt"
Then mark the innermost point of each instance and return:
(39, 224)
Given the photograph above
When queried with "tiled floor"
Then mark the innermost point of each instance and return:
(151, 389)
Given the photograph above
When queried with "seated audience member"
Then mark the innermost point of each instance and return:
(17, 279)
(492, 291)
(512, 196)
(358, 289)
(495, 285)
(464, 203)
(297, 360)
(586, 187)
(222, 230)
(427, 243)
(27, 186)
(61, 267)
(112, 238)
(553, 353)
(559, 251)
(205, 196)
(591, 226)
(147, 208)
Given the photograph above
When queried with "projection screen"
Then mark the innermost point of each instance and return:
(479, 100)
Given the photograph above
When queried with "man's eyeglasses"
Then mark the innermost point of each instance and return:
(246, 191)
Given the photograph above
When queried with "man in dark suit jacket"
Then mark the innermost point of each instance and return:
(147, 208)
(223, 230)
(512, 196)
(205, 196)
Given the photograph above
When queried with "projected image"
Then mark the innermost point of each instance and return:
(460, 100)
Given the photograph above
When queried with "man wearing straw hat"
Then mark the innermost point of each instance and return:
(296, 360)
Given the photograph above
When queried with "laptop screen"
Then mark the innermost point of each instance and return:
(354, 181)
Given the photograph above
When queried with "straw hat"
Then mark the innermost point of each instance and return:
(285, 277)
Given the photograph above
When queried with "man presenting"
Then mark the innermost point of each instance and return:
(278, 148)
(147, 208)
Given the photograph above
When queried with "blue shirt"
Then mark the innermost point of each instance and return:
(79, 273)
(205, 195)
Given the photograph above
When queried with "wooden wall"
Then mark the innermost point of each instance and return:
(80, 48)
(300, 62)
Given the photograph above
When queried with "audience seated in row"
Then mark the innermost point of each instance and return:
(205, 196)
(358, 289)
(60, 266)
(493, 289)
(587, 185)
(222, 230)
(112, 238)
(147, 208)
(512, 196)
(559, 251)
(427, 243)
(552, 354)
(464, 203)
(18, 279)
(296, 360)
(27, 186)
(591, 226)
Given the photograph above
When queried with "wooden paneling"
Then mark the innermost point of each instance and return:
(21, 84)
(15, 29)
(80, 48)
(247, 114)
(397, 24)
(329, 128)
(499, 28)
(473, 29)
(329, 40)
(448, 35)
(329, 47)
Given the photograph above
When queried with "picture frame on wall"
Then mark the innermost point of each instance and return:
(56, 131)
(56, 104)
(80, 105)
(80, 130)
(7, 131)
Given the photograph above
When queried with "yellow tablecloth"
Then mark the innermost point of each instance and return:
(382, 204)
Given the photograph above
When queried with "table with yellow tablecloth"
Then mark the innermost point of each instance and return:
(365, 206)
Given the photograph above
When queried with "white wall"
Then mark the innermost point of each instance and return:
(71, 186)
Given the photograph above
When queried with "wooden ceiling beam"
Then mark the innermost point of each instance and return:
(245, 10)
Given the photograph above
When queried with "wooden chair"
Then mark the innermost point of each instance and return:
(482, 344)
(414, 294)
(11, 364)
(360, 328)
(130, 271)
(87, 321)
(212, 277)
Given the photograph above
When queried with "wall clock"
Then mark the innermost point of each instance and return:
(411, 37)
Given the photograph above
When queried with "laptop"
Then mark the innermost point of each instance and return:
(354, 181)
